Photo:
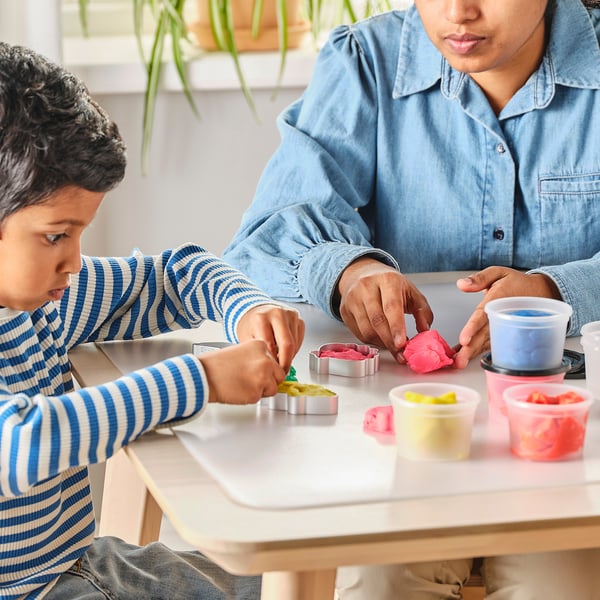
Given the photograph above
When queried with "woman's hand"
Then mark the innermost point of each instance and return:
(495, 282)
(373, 301)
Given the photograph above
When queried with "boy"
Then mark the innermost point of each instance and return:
(59, 155)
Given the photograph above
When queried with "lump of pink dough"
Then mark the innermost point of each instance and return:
(346, 354)
(428, 351)
(379, 419)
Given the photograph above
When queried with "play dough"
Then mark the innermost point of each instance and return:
(428, 351)
(548, 435)
(291, 376)
(345, 354)
(293, 388)
(447, 398)
(379, 419)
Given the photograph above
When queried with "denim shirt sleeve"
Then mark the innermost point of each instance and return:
(316, 183)
(577, 283)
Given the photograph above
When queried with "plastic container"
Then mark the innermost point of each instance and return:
(434, 431)
(527, 333)
(498, 379)
(590, 342)
(546, 432)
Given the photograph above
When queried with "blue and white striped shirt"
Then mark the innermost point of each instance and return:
(49, 432)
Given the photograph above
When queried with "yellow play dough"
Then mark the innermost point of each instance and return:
(294, 388)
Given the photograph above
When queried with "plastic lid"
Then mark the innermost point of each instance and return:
(568, 363)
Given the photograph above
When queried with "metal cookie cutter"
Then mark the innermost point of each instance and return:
(199, 348)
(345, 367)
(302, 404)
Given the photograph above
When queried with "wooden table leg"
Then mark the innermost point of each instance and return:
(129, 511)
(298, 585)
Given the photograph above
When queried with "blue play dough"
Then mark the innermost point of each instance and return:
(527, 345)
(529, 312)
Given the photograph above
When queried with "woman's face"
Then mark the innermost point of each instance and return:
(477, 36)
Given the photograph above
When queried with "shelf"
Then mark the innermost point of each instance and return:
(112, 65)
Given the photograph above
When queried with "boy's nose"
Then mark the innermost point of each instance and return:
(72, 260)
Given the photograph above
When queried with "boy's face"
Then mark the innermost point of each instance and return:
(477, 36)
(40, 247)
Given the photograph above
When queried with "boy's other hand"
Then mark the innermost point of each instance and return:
(242, 374)
(281, 328)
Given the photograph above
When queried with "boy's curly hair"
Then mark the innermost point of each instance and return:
(52, 133)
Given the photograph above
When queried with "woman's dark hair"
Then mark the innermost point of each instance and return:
(591, 3)
(52, 134)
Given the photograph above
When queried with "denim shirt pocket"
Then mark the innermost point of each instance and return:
(569, 216)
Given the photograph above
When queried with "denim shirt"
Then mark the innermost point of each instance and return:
(392, 153)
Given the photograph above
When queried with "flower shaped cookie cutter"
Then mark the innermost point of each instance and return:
(368, 364)
(302, 399)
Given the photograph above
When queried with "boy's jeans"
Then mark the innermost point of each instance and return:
(114, 570)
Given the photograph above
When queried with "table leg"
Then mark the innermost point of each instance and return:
(298, 585)
(129, 511)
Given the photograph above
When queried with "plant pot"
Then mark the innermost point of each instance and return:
(268, 37)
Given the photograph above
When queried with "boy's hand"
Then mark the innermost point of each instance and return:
(242, 374)
(495, 282)
(281, 328)
(373, 301)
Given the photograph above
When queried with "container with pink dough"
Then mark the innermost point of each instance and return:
(547, 421)
(498, 379)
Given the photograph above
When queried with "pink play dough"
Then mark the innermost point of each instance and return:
(379, 419)
(346, 354)
(428, 351)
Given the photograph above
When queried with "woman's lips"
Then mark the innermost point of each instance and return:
(463, 44)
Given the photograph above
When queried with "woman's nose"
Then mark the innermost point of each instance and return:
(461, 11)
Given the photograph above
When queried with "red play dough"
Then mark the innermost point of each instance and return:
(428, 351)
(379, 419)
(346, 354)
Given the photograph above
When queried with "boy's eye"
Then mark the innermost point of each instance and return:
(53, 238)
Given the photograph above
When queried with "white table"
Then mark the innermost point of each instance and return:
(298, 548)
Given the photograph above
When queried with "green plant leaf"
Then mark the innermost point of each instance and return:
(232, 49)
(154, 70)
(350, 10)
(138, 27)
(217, 25)
(282, 29)
(257, 12)
(169, 22)
(83, 16)
(178, 33)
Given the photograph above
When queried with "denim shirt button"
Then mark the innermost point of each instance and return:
(500, 149)
(498, 233)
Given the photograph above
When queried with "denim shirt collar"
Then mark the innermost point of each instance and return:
(572, 59)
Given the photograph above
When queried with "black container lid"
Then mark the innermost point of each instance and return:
(573, 364)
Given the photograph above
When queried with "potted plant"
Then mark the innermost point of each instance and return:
(281, 22)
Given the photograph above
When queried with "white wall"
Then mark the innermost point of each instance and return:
(201, 175)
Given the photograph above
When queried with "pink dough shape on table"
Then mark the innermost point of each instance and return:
(428, 351)
(379, 419)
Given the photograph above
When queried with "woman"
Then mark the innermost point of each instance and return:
(456, 135)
